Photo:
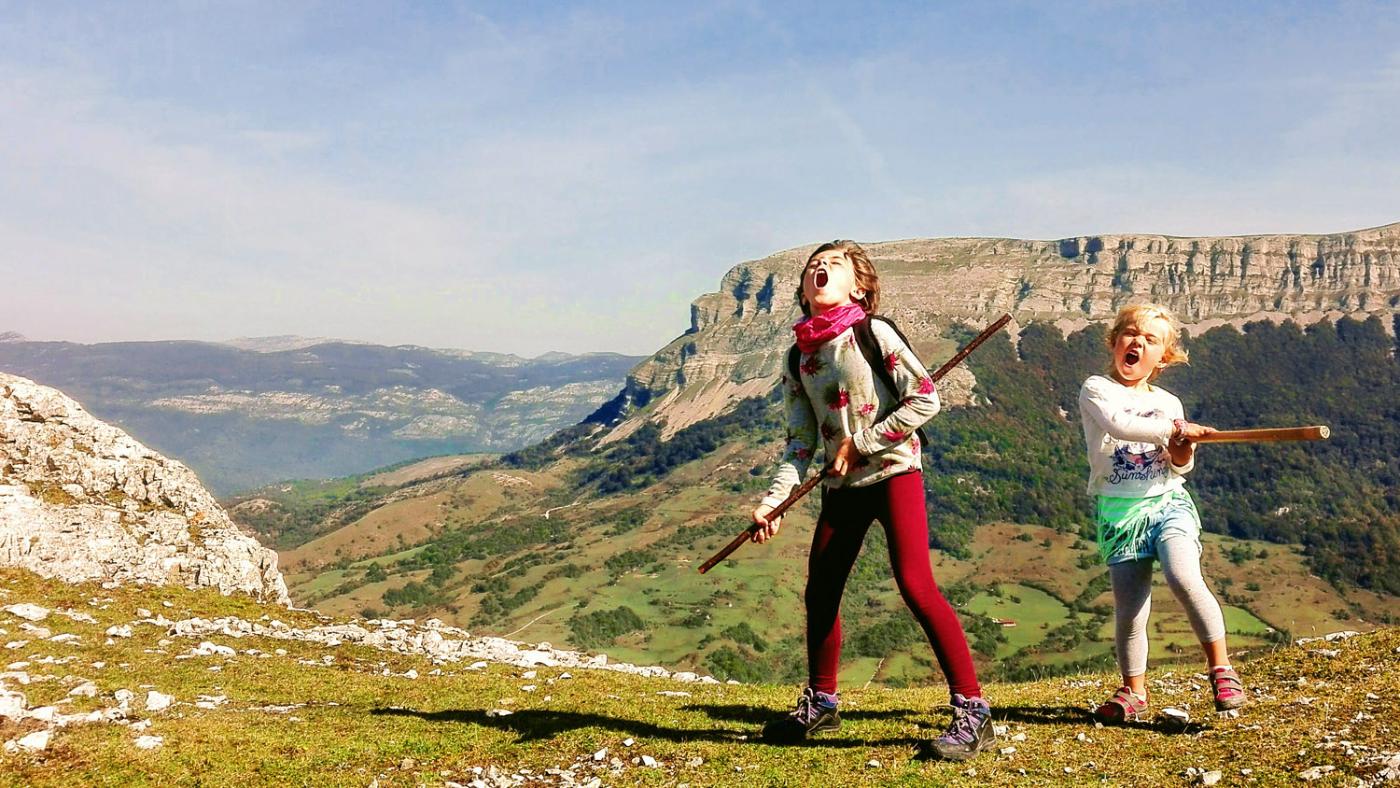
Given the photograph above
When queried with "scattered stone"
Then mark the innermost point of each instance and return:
(872, 764)
(674, 694)
(27, 611)
(1211, 777)
(694, 762)
(1008, 751)
(411, 674)
(149, 742)
(1176, 717)
(628, 742)
(35, 742)
(1019, 737)
(85, 690)
(66, 637)
(157, 701)
(1316, 773)
(600, 755)
(529, 674)
(499, 713)
(649, 762)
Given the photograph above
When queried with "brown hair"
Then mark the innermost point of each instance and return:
(866, 278)
(1137, 314)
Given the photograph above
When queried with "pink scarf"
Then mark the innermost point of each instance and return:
(813, 332)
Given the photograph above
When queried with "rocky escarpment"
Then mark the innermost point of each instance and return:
(82, 501)
(737, 336)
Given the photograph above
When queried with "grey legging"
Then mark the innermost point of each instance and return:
(1132, 599)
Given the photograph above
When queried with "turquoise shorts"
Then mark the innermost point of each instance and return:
(1130, 528)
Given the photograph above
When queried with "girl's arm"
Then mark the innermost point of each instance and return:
(918, 398)
(801, 442)
(1100, 401)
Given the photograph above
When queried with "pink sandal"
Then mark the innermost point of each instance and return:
(1123, 707)
(1228, 689)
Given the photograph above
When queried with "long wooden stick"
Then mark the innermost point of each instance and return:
(807, 486)
(1266, 435)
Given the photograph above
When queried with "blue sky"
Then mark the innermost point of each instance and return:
(525, 177)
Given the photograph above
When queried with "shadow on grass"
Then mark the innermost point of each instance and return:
(537, 724)
(1074, 715)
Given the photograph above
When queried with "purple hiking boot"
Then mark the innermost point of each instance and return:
(970, 733)
(815, 712)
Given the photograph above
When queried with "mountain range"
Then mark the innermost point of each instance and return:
(254, 411)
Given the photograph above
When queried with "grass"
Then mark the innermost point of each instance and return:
(350, 724)
(1034, 611)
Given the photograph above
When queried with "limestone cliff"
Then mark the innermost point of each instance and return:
(735, 344)
(81, 500)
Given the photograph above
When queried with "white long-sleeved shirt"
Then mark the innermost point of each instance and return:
(1126, 431)
(839, 395)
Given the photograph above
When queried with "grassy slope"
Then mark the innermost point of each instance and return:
(351, 724)
(762, 585)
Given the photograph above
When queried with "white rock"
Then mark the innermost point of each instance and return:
(649, 762)
(148, 742)
(1211, 777)
(1008, 750)
(601, 755)
(66, 637)
(872, 764)
(118, 631)
(12, 704)
(85, 690)
(156, 701)
(27, 611)
(1316, 773)
(35, 742)
(411, 674)
(628, 742)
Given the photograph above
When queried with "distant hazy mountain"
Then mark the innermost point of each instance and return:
(245, 416)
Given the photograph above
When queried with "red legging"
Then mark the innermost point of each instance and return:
(898, 503)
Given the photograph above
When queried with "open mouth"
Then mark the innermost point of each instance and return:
(1131, 357)
(819, 278)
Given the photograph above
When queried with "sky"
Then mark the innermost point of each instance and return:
(526, 177)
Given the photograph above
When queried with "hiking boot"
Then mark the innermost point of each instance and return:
(1225, 684)
(970, 733)
(815, 712)
(1125, 706)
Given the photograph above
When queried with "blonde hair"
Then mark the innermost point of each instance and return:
(866, 278)
(1135, 316)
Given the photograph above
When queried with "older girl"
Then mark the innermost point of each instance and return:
(868, 435)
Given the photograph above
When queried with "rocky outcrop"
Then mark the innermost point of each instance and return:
(82, 501)
(737, 336)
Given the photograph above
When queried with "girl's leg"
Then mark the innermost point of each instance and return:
(1181, 564)
(1132, 602)
(836, 541)
(905, 519)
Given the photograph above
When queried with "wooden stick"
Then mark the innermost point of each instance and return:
(807, 486)
(1266, 435)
